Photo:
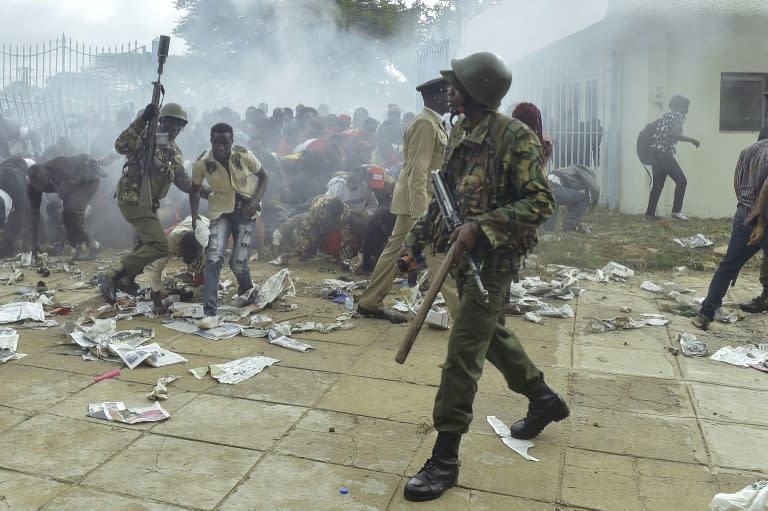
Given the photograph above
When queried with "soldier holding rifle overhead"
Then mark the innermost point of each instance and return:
(154, 161)
(494, 169)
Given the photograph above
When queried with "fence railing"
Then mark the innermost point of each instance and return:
(67, 88)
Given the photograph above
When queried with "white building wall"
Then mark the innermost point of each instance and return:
(686, 59)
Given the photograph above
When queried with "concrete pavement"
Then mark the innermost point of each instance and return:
(650, 429)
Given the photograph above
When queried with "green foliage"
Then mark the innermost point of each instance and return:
(221, 27)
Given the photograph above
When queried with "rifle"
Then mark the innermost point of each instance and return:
(452, 220)
(450, 212)
(147, 160)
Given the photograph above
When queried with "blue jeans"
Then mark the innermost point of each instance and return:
(221, 229)
(576, 202)
(736, 257)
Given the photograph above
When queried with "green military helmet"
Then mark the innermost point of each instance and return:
(483, 75)
(173, 110)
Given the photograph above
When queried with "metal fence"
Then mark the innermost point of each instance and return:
(578, 112)
(431, 57)
(68, 88)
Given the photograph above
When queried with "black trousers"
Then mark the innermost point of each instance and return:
(664, 164)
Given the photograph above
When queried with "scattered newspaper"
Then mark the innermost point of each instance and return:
(290, 343)
(116, 411)
(225, 331)
(12, 277)
(9, 340)
(273, 288)
(241, 369)
(182, 325)
(744, 356)
(187, 310)
(20, 311)
(130, 355)
(519, 446)
(627, 323)
(695, 241)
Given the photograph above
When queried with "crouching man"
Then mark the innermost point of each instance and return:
(186, 244)
(75, 179)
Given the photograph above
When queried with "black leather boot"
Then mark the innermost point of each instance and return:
(108, 282)
(439, 473)
(545, 406)
(757, 305)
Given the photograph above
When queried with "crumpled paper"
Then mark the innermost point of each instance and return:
(519, 446)
(272, 288)
(691, 346)
(627, 323)
(695, 241)
(160, 392)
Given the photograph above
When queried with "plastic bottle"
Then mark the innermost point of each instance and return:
(349, 302)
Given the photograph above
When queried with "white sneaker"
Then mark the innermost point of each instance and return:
(208, 322)
(679, 216)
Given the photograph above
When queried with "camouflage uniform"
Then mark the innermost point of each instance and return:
(508, 205)
(317, 224)
(167, 168)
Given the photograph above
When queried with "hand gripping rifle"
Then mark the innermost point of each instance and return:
(450, 212)
(452, 220)
(147, 160)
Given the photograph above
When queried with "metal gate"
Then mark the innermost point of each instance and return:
(579, 111)
(65, 88)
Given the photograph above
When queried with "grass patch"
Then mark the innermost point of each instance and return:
(639, 243)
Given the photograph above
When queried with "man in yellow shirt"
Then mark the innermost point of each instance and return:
(237, 182)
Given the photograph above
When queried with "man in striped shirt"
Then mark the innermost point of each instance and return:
(748, 234)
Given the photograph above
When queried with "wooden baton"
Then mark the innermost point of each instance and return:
(426, 305)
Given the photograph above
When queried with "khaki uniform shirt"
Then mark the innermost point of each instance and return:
(424, 141)
(227, 184)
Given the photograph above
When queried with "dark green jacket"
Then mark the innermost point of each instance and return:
(496, 174)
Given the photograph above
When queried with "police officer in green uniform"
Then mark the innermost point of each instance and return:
(166, 168)
(494, 167)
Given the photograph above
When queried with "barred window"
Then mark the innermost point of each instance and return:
(742, 101)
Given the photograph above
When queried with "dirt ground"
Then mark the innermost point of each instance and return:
(651, 429)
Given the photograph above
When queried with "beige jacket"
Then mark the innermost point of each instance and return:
(423, 145)
(226, 184)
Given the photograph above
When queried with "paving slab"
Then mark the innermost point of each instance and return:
(9, 417)
(710, 371)
(624, 361)
(22, 492)
(608, 482)
(721, 403)
(60, 447)
(34, 389)
(80, 499)
(249, 424)
(353, 440)
(644, 436)
(279, 384)
(313, 485)
(737, 446)
(404, 402)
(193, 475)
(631, 394)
